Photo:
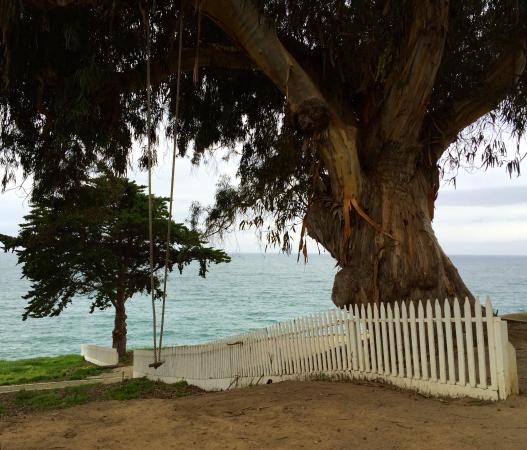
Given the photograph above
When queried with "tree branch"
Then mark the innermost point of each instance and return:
(245, 24)
(241, 20)
(409, 85)
(501, 76)
(211, 56)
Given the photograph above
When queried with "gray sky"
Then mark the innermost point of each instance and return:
(486, 214)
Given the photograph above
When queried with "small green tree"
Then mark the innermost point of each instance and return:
(93, 241)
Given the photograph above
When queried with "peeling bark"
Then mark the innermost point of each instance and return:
(374, 266)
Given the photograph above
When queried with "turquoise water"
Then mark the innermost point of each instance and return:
(253, 291)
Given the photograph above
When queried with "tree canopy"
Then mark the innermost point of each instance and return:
(93, 242)
(315, 99)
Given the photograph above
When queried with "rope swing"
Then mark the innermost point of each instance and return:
(157, 353)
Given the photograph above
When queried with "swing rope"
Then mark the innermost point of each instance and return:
(174, 155)
(157, 353)
(149, 155)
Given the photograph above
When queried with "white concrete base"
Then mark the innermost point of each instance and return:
(100, 356)
(425, 387)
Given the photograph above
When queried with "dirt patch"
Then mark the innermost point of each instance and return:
(284, 415)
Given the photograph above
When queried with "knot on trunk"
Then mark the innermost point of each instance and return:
(312, 116)
(347, 289)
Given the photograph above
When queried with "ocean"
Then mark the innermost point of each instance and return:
(253, 291)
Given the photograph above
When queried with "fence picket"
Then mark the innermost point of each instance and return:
(331, 341)
(342, 339)
(360, 352)
(290, 344)
(440, 342)
(244, 348)
(352, 339)
(285, 349)
(343, 333)
(248, 356)
(294, 345)
(298, 345)
(314, 341)
(470, 344)
(277, 361)
(398, 337)
(431, 340)
(480, 344)
(491, 343)
(307, 344)
(268, 352)
(384, 337)
(378, 338)
(318, 358)
(365, 338)
(422, 340)
(336, 339)
(460, 343)
(371, 334)
(449, 344)
(391, 337)
(406, 341)
(319, 342)
(276, 346)
(322, 341)
(325, 342)
(413, 335)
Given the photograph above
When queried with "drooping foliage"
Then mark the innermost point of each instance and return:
(93, 242)
(72, 91)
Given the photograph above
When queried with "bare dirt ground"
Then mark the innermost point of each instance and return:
(285, 415)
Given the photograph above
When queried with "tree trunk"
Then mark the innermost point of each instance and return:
(399, 260)
(119, 330)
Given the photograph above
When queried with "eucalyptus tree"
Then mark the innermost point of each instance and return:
(341, 112)
(91, 243)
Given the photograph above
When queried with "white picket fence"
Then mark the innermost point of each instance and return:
(446, 351)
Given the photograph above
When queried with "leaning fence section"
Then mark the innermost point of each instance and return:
(448, 349)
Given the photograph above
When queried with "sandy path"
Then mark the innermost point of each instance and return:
(114, 376)
(285, 415)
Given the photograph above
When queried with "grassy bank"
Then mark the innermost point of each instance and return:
(23, 402)
(56, 368)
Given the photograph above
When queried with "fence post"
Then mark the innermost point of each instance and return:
(507, 372)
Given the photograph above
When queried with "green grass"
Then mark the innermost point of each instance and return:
(133, 389)
(53, 399)
(23, 402)
(67, 367)
(142, 388)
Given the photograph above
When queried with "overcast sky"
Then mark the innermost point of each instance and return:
(485, 214)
